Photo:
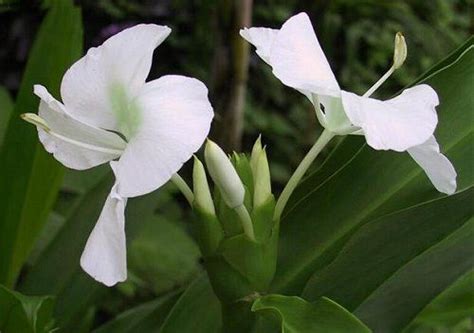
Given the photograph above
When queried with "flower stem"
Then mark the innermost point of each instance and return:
(379, 82)
(322, 141)
(183, 187)
(246, 221)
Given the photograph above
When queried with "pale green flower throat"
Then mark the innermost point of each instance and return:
(126, 110)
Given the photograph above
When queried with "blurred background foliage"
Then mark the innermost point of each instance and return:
(357, 36)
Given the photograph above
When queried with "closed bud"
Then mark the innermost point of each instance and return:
(400, 51)
(262, 181)
(255, 155)
(224, 175)
(202, 193)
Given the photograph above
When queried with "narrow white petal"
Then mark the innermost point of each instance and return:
(105, 255)
(262, 39)
(400, 123)
(298, 60)
(436, 166)
(176, 118)
(71, 155)
(123, 60)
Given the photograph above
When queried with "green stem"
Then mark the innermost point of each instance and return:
(183, 187)
(246, 221)
(322, 141)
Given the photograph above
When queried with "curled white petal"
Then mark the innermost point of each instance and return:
(437, 167)
(262, 39)
(400, 123)
(122, 60)
(298, 60)
(73, 143)
(105, 256)
(176, 118)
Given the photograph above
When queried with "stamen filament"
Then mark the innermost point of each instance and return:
(86, 145)
(322, 141)
(246, 221)
(379, 82)
(183, 187)
(36, 120)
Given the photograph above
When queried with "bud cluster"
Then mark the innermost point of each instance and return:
(234, 222)
(242, 185)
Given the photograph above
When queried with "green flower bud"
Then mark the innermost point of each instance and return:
(262, 181)
(202, 193)
(224, 175)
(400, 51)
(255, 155)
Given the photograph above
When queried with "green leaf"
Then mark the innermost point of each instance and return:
(449, 309)
(299, 316)
(163, 255)
(424, 278)
(25, 314)
(147, 317)
(69, 243)
(29, 177)
(6, 108)
(380, 250)
(325, 213)
(198, 310)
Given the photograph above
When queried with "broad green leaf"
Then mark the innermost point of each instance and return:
(373, 183)
(75, 291)
(299, 316)
(421, 280)
(449, 309)
(163, 255)
(197, 310)
(29, 177)
(6, 108)
(383, 247)
(147, 317)
(25, 314)
(43, 277)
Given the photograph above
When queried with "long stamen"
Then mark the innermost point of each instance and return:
(41, 123)
(399, 56)
(379, 82)
(322, 141)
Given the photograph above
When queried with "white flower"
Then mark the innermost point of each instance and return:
(404, 123)
(146, 130)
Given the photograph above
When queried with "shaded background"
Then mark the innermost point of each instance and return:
(357, 37)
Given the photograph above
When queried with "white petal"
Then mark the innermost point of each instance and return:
(298, 60)
(123, 60)
(71, 155)
(436, 166)
(402, 122)
(105, 255)
(262, 39)
(176, 117)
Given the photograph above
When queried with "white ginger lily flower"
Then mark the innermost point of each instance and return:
(404, 123)
(146, 130)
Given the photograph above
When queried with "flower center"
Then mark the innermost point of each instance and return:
(126, 110)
